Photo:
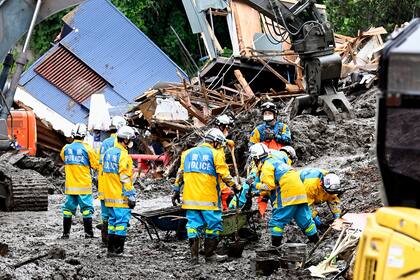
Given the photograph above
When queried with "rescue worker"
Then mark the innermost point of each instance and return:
(78, 159)
(287, 155)
(224, 123)
(274, 134)
(116, 123)
(200, 167)
(322, 186)
(290, 196)
(119, 192)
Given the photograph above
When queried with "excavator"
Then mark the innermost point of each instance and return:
(390, 244)
(312, 39)
(20, 190)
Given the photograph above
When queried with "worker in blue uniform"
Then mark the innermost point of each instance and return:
(198, 174)
(79, 158)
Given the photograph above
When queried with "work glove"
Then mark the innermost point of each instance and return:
(279, 139)
(269, 134)
(176, 198)
(317, 221)
(131, 202)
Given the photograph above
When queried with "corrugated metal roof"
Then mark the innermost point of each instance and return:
(106, 41)
(117, 50)
(69, 74)
(55, 99)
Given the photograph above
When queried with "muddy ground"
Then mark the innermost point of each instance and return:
(346, 147)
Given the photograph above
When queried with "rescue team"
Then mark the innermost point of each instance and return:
(205, 181)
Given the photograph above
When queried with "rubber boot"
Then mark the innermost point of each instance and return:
(111, 245)
(66, 228)
(104, 232)
(276, 240)
(314, 238)
(119, 242)
(194, 246)
(210, 245)
(87, 224)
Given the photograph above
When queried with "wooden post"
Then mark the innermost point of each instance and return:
(247, 89)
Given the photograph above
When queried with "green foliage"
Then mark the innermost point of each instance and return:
(350, 16)
(45, 33)
(155, 19)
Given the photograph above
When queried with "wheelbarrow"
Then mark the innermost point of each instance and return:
(173, 219)
(166, 219)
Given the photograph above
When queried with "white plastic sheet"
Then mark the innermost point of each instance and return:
(99, 118)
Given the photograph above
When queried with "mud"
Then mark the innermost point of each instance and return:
(346, 147)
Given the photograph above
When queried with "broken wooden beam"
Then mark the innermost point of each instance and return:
(247, 89)
(289, 86)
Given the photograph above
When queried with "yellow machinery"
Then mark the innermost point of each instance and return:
(390, 245)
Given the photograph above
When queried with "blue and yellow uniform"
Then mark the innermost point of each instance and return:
(105, 146)
(290, 197)
(117, 187)
(78, 159)
(312, 178)
(199, 172)
(279, 155)
(280, 135)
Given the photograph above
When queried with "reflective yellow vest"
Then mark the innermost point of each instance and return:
(200, 168)
(117, 172)
(105, 146)
(78, 159)
(312, 180)
(276, 175)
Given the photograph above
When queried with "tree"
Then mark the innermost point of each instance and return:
(350, 16)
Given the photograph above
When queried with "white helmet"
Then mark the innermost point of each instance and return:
(117, 122)
(224, 120)
(290, 151)
(259, 151)
(331, 183)
(126, 132)
(215, 135)
(79, 130)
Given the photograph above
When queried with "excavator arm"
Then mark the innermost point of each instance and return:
(16, 19)
(23, 191)
(312, 38)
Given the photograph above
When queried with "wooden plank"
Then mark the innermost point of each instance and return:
(247, 24)
(289, 86)
(247, 89)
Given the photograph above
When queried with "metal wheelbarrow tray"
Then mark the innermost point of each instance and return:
(173, 219)
(166, 219)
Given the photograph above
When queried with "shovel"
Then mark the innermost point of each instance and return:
(238, 247)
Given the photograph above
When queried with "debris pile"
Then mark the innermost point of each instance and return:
(360, 57)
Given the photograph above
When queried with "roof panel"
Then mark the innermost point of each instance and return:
(51, 96)
(125, 57)
(115, 49)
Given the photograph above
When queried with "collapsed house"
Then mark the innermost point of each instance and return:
(98, 51)
(258, 68)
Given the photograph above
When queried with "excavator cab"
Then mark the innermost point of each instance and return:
(390, 245)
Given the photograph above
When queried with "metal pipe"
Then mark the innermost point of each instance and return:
(21, 61)
(32, 25)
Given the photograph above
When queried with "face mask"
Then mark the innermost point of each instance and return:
(130, 144)
(268, 117)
